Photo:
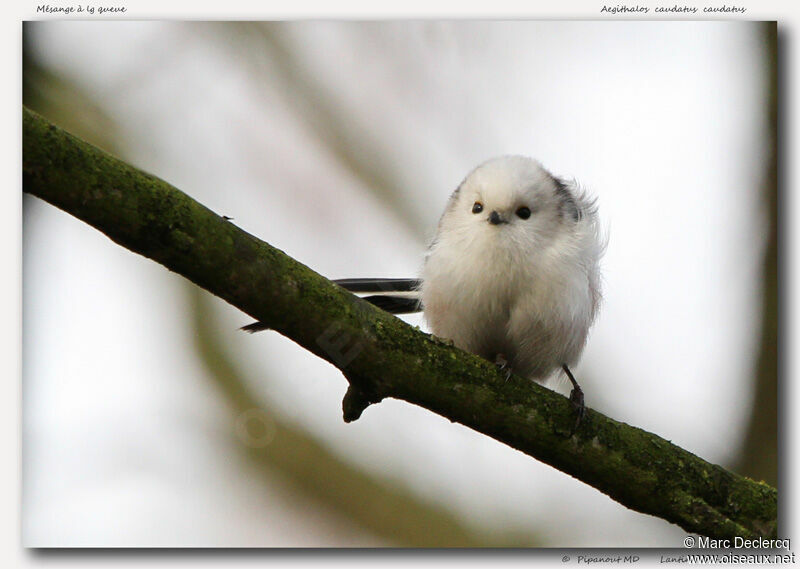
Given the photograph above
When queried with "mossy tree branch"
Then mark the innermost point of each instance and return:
(380, 355)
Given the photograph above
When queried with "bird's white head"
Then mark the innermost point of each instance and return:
(512, 201)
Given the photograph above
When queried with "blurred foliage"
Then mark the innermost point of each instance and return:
(62, 100)
(759, 454)
(355, 149)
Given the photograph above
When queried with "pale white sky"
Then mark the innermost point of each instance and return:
(662, 121)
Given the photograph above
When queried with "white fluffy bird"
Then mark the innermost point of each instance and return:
(512, 274)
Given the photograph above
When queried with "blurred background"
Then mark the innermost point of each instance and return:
(150, 420)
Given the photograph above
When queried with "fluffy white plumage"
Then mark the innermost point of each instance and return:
(513, 287)
(512, 274)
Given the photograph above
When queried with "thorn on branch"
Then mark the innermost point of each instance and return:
(255, 327)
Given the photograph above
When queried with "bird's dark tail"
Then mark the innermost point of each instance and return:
(380, 285)
(397, 296)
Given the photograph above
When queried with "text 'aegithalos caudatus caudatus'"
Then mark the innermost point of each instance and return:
(512, 274)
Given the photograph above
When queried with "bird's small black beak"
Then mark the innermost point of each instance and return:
(495, 219)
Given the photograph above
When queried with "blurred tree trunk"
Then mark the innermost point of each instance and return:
(759, 454)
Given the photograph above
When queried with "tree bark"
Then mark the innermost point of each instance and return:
(380, 355)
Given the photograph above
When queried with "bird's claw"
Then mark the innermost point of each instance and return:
(502, 364)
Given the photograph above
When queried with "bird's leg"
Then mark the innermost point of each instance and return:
(575, 397)
(502, 364)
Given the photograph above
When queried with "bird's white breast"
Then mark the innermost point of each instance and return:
(491, 296)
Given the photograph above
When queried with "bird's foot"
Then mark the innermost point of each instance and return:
(502, 364)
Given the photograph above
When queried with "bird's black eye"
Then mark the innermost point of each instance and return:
(524, 212)
(477, 207)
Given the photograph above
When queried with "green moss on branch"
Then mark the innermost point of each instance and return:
(380, 355)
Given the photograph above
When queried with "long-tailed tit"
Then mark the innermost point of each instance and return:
(512, 274)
